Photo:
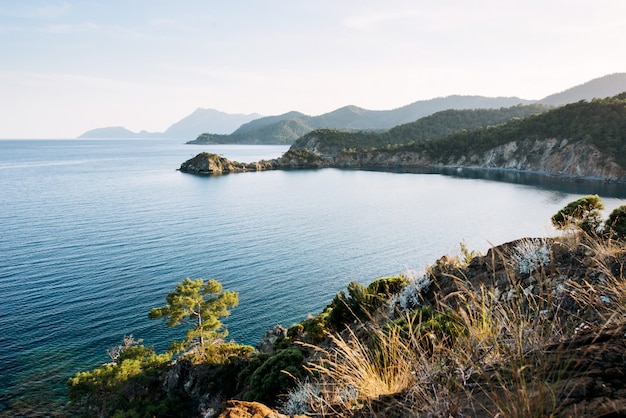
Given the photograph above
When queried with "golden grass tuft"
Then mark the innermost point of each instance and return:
(509, 360)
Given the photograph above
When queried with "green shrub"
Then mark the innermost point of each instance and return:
(275, 376)
(347, 308)
(380, 289)
(315, 328)
(583, 214)
(361, 301)
(427, 327)
(615, 225)
(114, 387)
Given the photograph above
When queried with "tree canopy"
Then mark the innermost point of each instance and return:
(199, 305)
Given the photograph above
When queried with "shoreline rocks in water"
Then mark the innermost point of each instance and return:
(208, 164)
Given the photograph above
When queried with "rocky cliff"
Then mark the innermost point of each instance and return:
(557, 157)
(574, 159)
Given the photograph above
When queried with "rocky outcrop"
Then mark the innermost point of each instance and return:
(207, 163)
(270, 337)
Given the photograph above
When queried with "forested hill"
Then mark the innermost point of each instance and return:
(600, 122)
(435, 126)
(286, 128)
(583, 139)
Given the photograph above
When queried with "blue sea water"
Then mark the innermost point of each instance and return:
(93, 233)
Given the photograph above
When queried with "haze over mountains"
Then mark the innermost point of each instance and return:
(213, 126)
(188, 127)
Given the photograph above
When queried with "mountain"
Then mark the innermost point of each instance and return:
(201, 120)
(602, 87)
(117, 132)
(438, 125)
(213, 126)
(275, 129)
(578, 140)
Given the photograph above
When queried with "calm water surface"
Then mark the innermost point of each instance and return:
(94, 233)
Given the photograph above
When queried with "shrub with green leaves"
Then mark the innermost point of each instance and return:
(118, 386)
(275, 376)
(583, 214)
(424, 323)
(615, 225)
(361, 301)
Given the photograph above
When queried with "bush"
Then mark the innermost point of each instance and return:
(117, 387)
(361, 301)
(615, 225)
(314, 329)
(583, 214)
(275, 376)
(410, 297)
(426, 326)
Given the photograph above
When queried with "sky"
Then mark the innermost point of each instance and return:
(70, 66)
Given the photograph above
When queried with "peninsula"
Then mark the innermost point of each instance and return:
(583, 140)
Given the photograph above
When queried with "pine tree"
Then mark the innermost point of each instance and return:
(199, 305)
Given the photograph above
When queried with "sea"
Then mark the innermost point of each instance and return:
(94, 233)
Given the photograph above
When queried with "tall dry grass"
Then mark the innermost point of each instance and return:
(501, 364)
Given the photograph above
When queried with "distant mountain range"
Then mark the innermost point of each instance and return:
(214, 126)
(190, 126)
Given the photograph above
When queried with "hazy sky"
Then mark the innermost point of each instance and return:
(70, 66)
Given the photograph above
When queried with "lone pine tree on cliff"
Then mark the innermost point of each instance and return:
(200, 305)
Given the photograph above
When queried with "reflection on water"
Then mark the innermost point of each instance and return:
(561, 185)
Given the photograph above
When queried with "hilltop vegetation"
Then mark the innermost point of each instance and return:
(601, 122)
(438, 125)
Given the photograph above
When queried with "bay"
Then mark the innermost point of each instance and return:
(93, 233)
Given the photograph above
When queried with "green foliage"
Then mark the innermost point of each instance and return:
(601, 122)
(114, 387)
(615, 225)
(275, 376)
(302, 156)
(199, 305)
(361, 301)
(315, 328)
(583, 214)
(347, 308)
(384, 287)
(435, 126)
(222, 353)
(467, 254)
(427, 327)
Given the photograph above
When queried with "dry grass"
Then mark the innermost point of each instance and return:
(498, 366)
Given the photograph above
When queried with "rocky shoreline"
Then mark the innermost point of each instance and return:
(567, 170)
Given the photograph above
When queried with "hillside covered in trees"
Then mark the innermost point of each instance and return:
(583, 139)
(435, 126)
(286, 128)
